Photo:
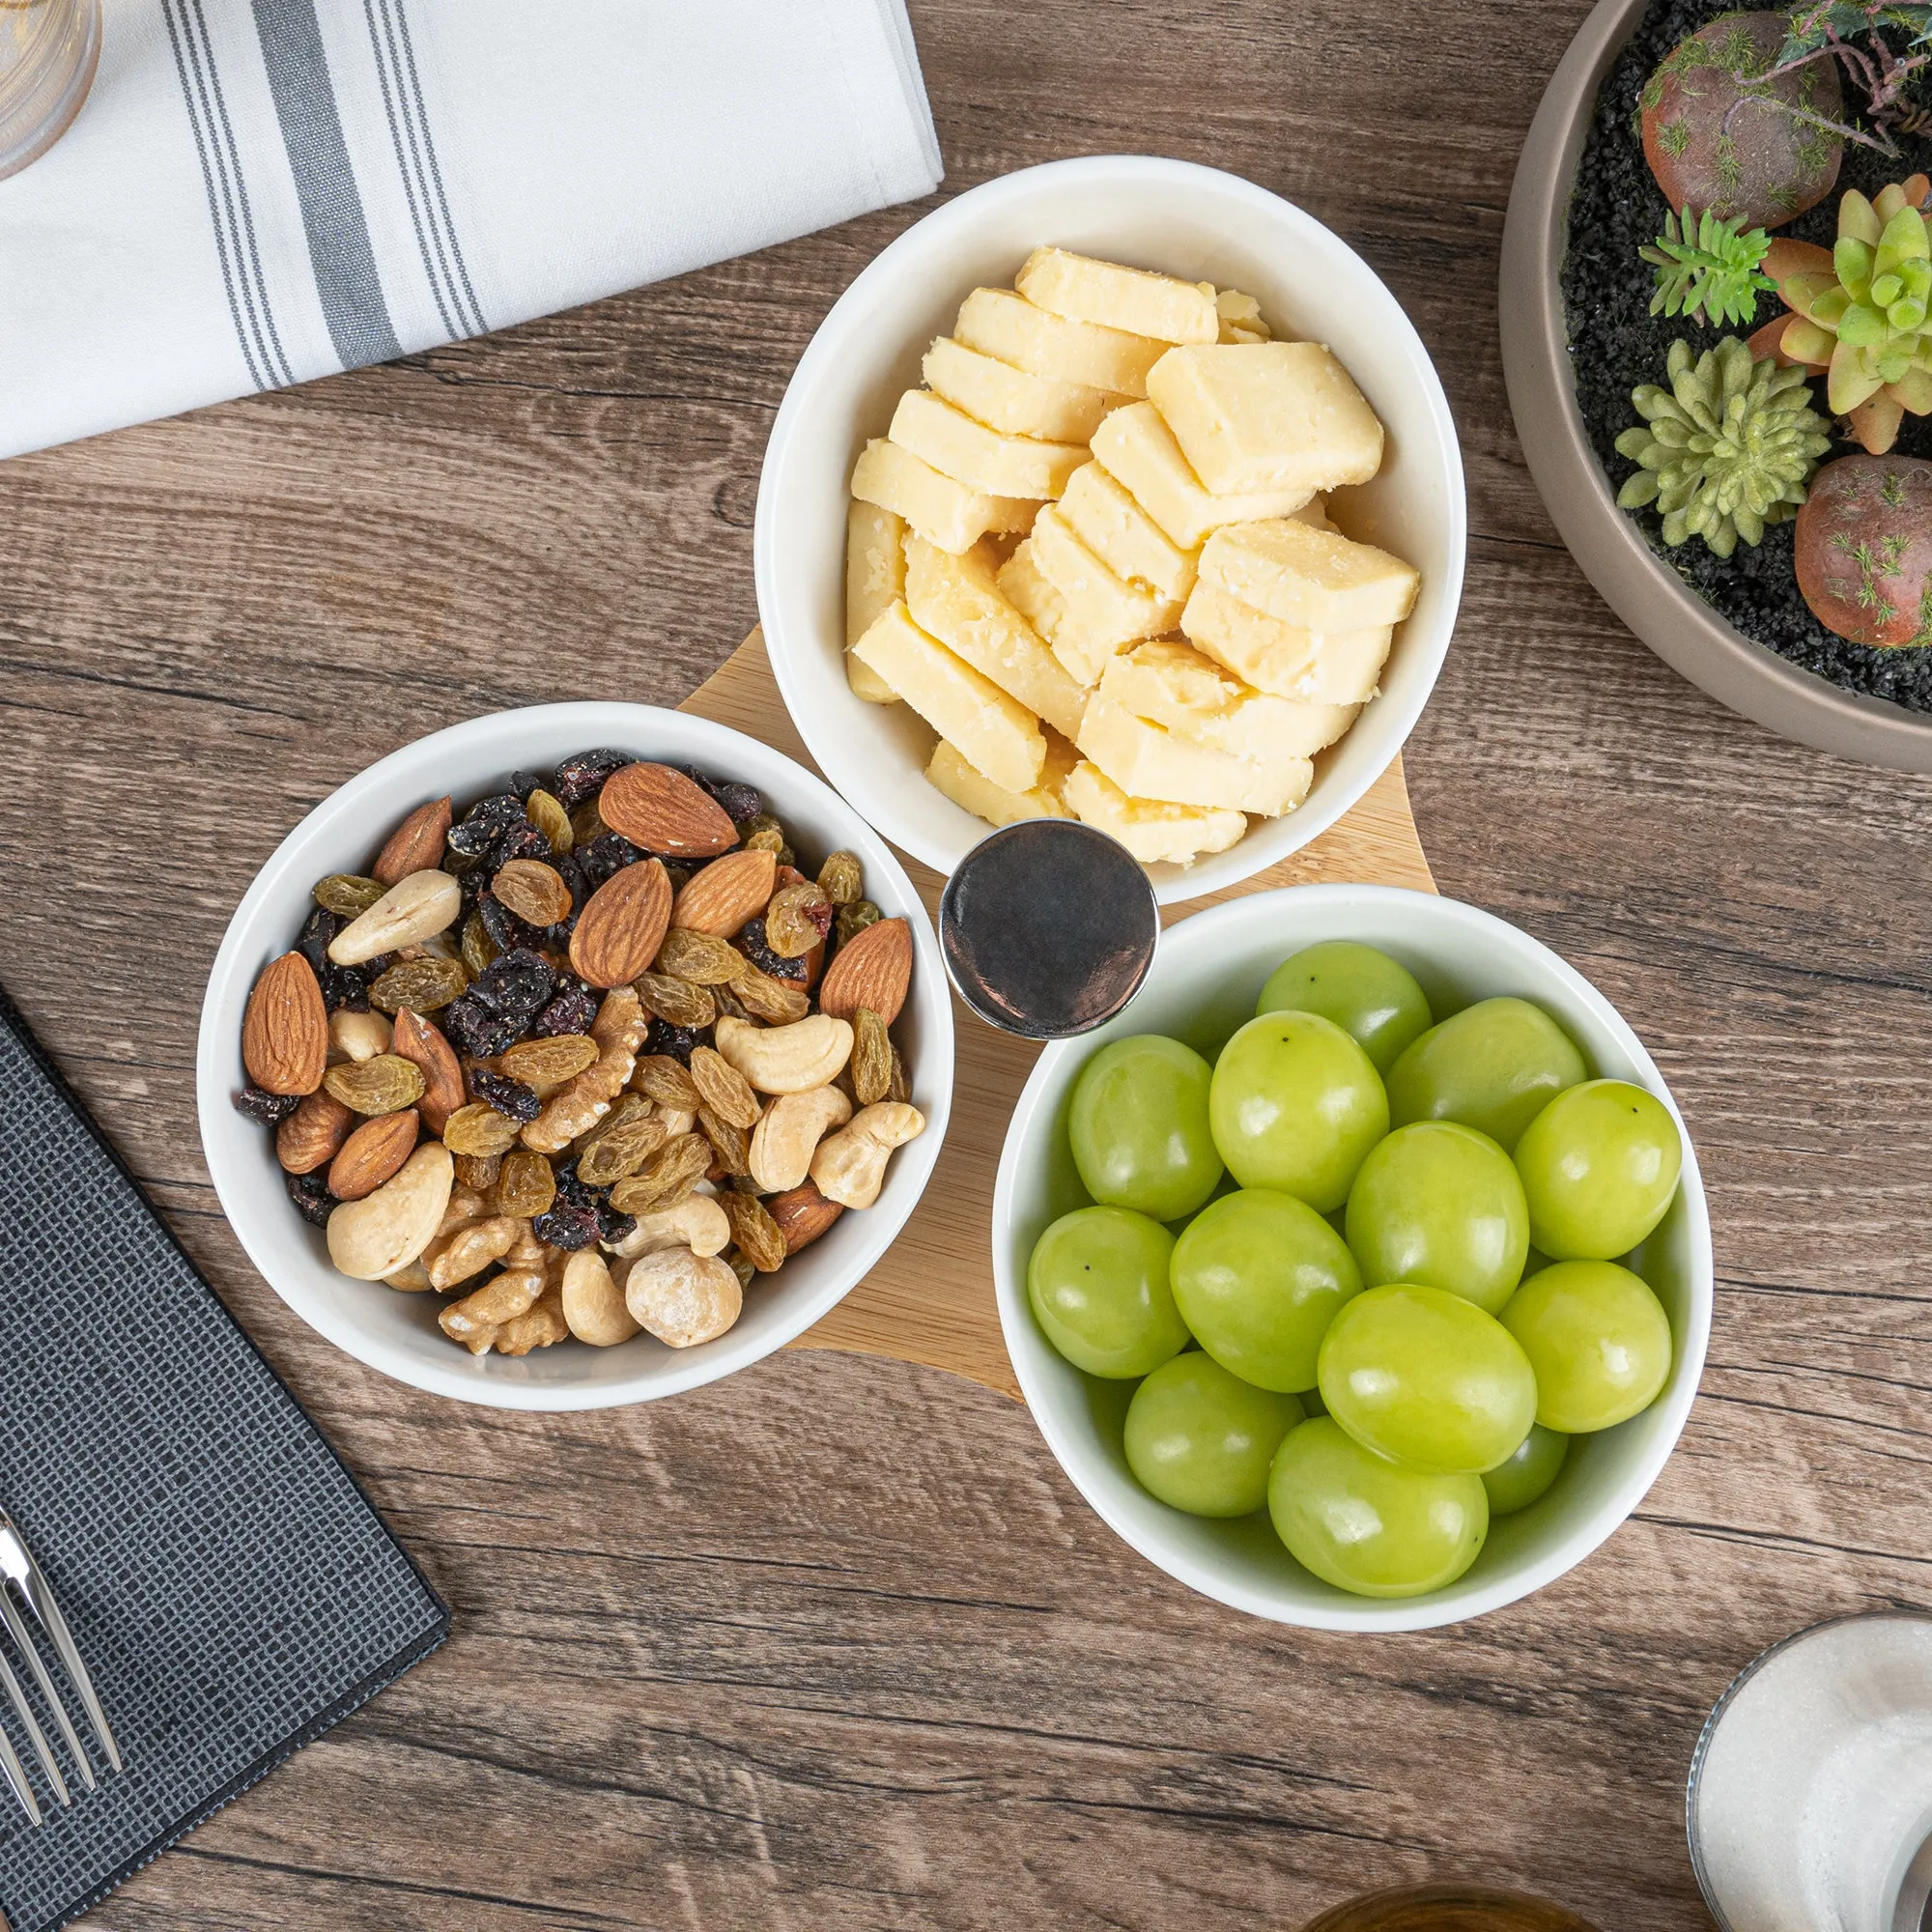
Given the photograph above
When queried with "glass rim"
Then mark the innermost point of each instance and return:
(1693, 1779)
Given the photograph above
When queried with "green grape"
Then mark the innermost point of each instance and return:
(1295, 1104)
(1367, 1525)
(1600, 1166)
(1098, 1281)
(1139, 1127)
(1199, 1439)
(1528, 1474)
(1427, 1379)
(1493, 1067)
(1257, 1277)
(1366, 993)
(1440, 1204)
(1597, 1339)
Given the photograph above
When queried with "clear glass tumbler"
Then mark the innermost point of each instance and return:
(48, 51)
(1810, 1795)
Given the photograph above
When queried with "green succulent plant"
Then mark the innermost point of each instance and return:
(1707, 270)
(1726, 449)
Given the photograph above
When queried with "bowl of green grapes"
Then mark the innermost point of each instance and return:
(1359, 1273)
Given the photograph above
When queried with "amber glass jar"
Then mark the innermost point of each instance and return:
(1448, 1908)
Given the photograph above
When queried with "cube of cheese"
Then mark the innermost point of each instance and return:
(965, 785)
(1266, 415)
(1173, 684)
(1240, 317)
(956, 599)
(1137, 449)
(996, 322)
(979, 457)
(1148, 760)
(1013, 401)
(1122, 535)
(942, 511)
(1153, 830)
(1316, 578)
(1097, 613)
(874, 581)
(1134, 299)
(1311, 667)
(998, 735)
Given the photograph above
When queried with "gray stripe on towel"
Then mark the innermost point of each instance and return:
(339, 248)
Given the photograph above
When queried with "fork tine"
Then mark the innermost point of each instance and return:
(24, 1642)
(15, 1774)
(17, 1563)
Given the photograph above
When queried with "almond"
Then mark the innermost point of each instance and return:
(533, 890)
(310, 1136)
(623, 923)
(372, 1155)
(802, 1214)
(284, 1030)
(662, 810)
(726, 893)
(416, 845)
(416, 1040)
(871, 969)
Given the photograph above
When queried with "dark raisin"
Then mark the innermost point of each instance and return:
(612, 1226)
(571, 875)
(583, 777)
(478, 1031)
(523, 784)
(264, 1108)
(507, 1096)
(740, 800)
(321, 926)
(567, 1225)
(521, 840)
(677, 1041)
(571, 1190)
(517, 981)
(484, 823)
(751, 942)
(310, 1193)
(571, 1011)
(604, 857)
(509, 933)
(680, 876)
(344, 989)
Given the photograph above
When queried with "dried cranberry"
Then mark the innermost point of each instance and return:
(751, 942)
(506, 930)
(567, 1225)
(344, 989)
(583, 777)
(517, 981)
(571, 1011)
(264, 1108)
(311, 1196)
(604, 857)
(478, 1031)
(321, 926)
(507, 1096)
(740, 800)
(484, 823)
(677, 1041)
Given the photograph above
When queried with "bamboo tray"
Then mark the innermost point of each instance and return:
(930, 1300)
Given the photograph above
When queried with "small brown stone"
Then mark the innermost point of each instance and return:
(1864, 549)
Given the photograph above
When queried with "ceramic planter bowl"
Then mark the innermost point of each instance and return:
(1663, 611)
(1206, 979)
(397, 1333)
(1192, 221)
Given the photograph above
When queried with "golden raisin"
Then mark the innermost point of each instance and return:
(872, 1062)
(533, 890)
(776, 1001)
(425, 986)
(347, 893)
(545, 1064)
(479, 1129)
(478, 948)
(618, 1152)
(661, 1078)
(900, 1089)
(843, 878)
(734, 1145)
(476, 1170)
(674, 1001)
(675, 1170)
(545, 811)
(525, 1186)
(854, 918)
(723, 1089)
(386, 1083)
(797, 919)
(758, 1236)
(698, 957)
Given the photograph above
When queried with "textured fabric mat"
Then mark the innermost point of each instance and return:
(232, 1590)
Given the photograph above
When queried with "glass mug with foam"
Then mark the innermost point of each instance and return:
(48, 50)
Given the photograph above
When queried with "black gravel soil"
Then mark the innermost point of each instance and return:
(1616, 342)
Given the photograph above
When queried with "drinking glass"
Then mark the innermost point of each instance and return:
(48, 51)
(1448, 1908)
(1810, 1792)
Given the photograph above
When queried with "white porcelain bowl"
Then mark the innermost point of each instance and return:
(397, 1333)
(1191, 221)
(1206, 979)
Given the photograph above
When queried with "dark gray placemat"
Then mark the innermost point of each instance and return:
(232, 1589)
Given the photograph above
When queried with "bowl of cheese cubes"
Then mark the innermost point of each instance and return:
(1118, 488)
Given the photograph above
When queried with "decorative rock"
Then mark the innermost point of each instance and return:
(1717, 139)
(1864, 549)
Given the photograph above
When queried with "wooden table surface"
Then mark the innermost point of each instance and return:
(833, 1642)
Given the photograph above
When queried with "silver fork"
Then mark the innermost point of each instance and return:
(24, 1586)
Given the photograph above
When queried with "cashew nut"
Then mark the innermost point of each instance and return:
(678, 1120)
(412, 909)
(681, 1298)
(356, 1036)
(789, 1133)
(850, 1167)
(697, 1223)
(379, 1234)
(593, 1304)
(793, 1059)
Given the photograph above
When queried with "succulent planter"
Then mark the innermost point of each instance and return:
(1665, 595)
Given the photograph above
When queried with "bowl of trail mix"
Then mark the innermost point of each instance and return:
(574, 1055)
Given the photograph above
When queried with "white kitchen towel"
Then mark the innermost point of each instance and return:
(262, 191)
